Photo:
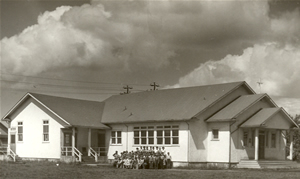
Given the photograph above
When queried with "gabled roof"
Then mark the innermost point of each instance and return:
(164, 105)
(261, 118)
(235, 108)
(74, 112)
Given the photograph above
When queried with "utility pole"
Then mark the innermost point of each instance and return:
(155, 86)
(127, 89)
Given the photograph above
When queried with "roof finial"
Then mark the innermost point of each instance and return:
(259, 84)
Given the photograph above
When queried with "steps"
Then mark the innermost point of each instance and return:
(248, 164)
(259, 164)
(88, 159)
(91, 160)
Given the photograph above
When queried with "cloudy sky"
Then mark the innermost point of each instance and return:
(91, 49)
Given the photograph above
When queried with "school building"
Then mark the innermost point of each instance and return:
(222, 124)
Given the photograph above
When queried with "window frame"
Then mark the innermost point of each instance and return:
(20, 135)
(46, 133)
(273, 142)
(213, 134)
(245, 138)
(167, 135)
(114, 139)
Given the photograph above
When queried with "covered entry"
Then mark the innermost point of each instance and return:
(80, 141)
(266, 133)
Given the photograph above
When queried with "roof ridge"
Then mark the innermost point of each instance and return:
(34, 94)
(180, 88)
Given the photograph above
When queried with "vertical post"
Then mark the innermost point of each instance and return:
(8, 139)
(89, 141)
(291, 144)
(73, 141)
(256, 144)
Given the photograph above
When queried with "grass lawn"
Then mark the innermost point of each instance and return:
(30, 170)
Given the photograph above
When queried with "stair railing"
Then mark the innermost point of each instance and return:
(77, 154)
(12, 154)
(94, 154)
(66, 151)
(101, 151)
(3, 150)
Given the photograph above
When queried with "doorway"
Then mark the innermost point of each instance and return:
(261, 149)
(68, 139)
(13, 142)
(101, 144)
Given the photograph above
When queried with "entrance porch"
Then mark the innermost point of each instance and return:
(78, 143)
(266, 148)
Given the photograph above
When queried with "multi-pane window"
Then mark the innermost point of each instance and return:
(215, 134)
(46, 130)
(20, 131)
(245, 138)
(159, 135)
(116, 137)
(144, 135)
(273, 140)
(164, 135)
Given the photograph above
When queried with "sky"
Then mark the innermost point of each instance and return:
(93, 49)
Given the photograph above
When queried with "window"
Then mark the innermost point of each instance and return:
(12, 139)
(116, 137)
(144, 135)
(245, 139)
(67, 140)
(46, 130)
(159, 135)
(215, 134)
(175, 135)
(20, 131)
(165, 135)
(273, 140)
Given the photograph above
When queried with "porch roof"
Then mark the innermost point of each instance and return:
(236, 107)
(261, 119)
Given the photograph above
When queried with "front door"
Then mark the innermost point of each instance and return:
(261, 152)
(101, 143)
(13, 142)
(67, 139)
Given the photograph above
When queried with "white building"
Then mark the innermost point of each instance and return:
(214, 124)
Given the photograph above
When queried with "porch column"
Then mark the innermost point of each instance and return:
(73, 141)
(291, 144)
(256, 144)
(8, 139)
(89, 141)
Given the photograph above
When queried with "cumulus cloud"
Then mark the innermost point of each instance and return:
(131, 34)
(276, 66)
(151, 34)
(81, 36)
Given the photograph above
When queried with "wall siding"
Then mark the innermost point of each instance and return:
(178, 152)
(32, 145)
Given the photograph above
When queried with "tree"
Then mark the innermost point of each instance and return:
(296, 139)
